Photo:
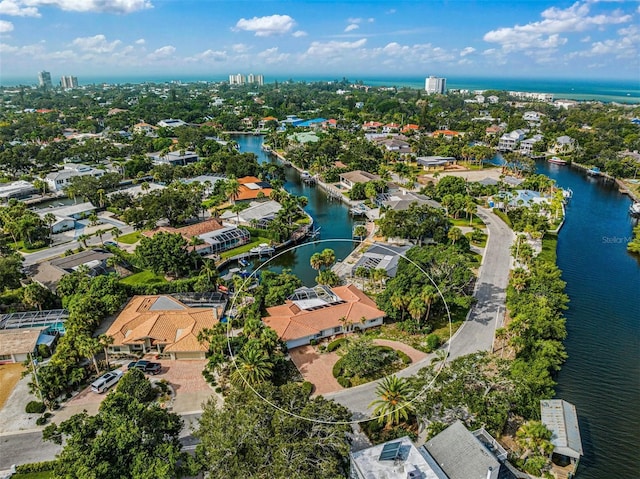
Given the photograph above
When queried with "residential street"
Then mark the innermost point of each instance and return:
(476, 334)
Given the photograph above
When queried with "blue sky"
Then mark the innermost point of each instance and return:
(212, 38)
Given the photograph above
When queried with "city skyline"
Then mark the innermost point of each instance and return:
(538, 39)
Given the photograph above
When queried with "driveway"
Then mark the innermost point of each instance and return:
(317, 368)
(477, 332)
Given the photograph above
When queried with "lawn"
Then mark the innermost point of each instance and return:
(143, 278)
(34, 475)
(476, 221)
(130, 238)
(20, 247)
(549, 245)
(482, 243)
(244, 248)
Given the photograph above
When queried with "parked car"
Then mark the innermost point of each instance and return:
(146, 366)
(111, 243)
(105, 381)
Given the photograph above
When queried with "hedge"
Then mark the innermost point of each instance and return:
(344, 382)
(404, 357)
(337, 368)
(335, 344)
(433, 341)
(36, 467)
(35, 407)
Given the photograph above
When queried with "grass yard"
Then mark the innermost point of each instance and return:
(20, 247)
(482, 243)
(34, 475)
(549, 245)
(244, 248)
(130, 238)
(143, 278)
(476, 221)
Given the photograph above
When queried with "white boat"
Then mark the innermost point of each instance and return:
(557, 161)
(634, 209)
(595, 171)
(261, 249)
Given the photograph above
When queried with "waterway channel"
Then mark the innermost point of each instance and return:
(602, 375)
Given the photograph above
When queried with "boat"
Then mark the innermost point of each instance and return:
(305, 175)
(634, 209)
(262, 249)
(243, 262)
(595, 171)
(557, 161)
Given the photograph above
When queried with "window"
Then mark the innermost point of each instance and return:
(5, 357)
(337, 329)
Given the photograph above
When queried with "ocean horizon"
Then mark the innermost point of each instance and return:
(605, 90)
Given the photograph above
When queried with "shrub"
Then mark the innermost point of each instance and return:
(44, 351)
(35, 467)
(333, 345)
(337, 368)
(404, 357)
(307, 388)
(344, 382)
(35, 407)
(313, 342)
(41, 421)
(432, 342)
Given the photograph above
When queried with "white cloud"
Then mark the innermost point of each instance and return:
(273, 55)
(625, 46)
(140, 41)
(351, 27)
(546, 33)
(266, 26)
(332, 48)
(5, 48)
(354, 20)
(240, 48)
(208, 55)
(15, 9)
(95, 44)
(5, 27)
(467, 51)
(299, 34)
(162, 53)
(96, 6)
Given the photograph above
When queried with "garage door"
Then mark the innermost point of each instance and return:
(190, 355)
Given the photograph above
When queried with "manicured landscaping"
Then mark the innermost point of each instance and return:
(244, 248)
(481, 243)
(503, 216)
(143, 278)
(34, 475)
(475, 221)
(549, 245)
(130, 238)
(20, 247)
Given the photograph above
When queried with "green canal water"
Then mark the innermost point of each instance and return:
(602, 375)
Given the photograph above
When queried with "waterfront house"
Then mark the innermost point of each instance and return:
(322, 312)
(16, 189)
(526, 146)
(58, 180)
(215, 237)
(251, 188)
(561, 419)
(433, 162)
(347, 180)
(258, 214)
(175, 158)
(563, 144)
(509, 141)
(381, 256)
(162, 324)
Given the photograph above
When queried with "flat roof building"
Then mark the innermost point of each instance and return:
(434, 85)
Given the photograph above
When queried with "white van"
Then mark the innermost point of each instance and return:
(105, 381)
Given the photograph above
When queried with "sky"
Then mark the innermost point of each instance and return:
(586, 39)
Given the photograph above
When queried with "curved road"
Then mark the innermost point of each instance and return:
(477, 332)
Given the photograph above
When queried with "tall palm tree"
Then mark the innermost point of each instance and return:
(232, 189)
(393, 405)
(534, 437)
(252, 367)
(429, 295)
(454, 234)
(316, 261)
(50, 219)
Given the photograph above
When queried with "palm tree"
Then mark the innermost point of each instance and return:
(100, 192)
(88, 347)
(316, 261)
(252, 367)
(394, 401)
(237, 208)
(105, 341)
(454, 234)
(50, 219)
(534, 437)
(428, 294)
(401, 302)
(83, 239)
(116, 232)
(360, 231)
(470, 208)
(232, 189)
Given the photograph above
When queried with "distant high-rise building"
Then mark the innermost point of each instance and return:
(44, 79)
(69, 82)
(435, 85)
(250, 79)
(238, 79)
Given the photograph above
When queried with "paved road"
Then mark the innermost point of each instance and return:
(28, 446)
(476, 334)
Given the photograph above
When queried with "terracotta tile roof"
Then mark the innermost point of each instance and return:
(246, 193)
(291, 322)
(445, 133)
(169, 322)
(189, 231)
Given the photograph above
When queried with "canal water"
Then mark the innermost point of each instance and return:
(602, 375)
(331, 216)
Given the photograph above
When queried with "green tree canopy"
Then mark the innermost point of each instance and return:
(165, 253)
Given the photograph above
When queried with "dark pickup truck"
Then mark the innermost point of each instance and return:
(146, 366)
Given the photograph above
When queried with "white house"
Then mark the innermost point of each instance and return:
(509, 141)
(58, 180)
(564, 144)
(171, 123)
(16, 189)
(526, 146)
(174, 158)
